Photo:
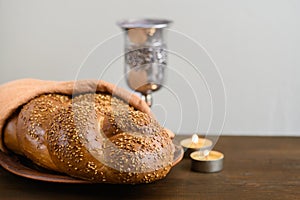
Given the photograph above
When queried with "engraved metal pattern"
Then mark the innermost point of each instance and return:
(142, 56)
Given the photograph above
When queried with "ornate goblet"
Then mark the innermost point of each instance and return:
(145, 55)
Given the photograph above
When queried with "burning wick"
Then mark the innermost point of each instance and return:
(203, 154)
(195, 140)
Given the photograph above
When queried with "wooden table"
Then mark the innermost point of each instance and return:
(254, 168)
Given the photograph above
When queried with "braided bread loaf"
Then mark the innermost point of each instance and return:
(95, 137)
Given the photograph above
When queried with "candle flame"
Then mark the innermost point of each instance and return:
(195, 138)
(203, 154)
(206, 153)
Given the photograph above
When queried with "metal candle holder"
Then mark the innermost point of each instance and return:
(145, 55)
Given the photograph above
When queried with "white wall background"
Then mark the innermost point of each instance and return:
(256, 45)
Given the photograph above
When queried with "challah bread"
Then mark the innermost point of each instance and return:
(91, 136)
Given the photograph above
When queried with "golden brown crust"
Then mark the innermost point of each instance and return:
(33, 122)
(95, 137)
(11, 139)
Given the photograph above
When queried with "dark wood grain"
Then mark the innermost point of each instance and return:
(254, 168)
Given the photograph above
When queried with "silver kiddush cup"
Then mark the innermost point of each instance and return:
(145, 55)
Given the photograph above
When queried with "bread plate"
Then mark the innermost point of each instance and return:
(25, 168)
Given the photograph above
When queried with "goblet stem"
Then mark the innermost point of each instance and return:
(148, 99)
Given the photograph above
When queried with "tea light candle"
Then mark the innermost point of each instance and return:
(207, 161)
(194, 144)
